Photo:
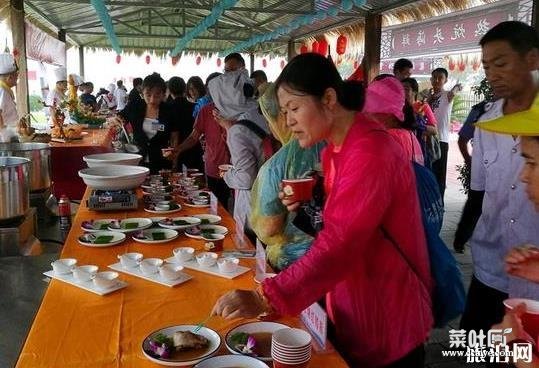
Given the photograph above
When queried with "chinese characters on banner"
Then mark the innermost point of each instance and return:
(447, 34)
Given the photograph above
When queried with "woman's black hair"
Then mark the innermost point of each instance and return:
(413, 84)
(154, 80)
(197, 84)
(409, 122)
(312, 74)
(176, 86)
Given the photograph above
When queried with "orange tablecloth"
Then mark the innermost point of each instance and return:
(66, 161)
(76, 328)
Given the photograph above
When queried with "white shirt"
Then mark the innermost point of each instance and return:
(508, 218)
(54, 97)
(149, 126)
(9, 115)
(441, 107)
(121, 98)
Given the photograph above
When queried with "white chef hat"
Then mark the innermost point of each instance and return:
(7, 63)
(111, 87)
(77, 80)
(60, 74)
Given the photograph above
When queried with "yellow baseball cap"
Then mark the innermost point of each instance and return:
(525, 123)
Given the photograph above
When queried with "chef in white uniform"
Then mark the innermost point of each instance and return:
(9, 117)
(58, 94)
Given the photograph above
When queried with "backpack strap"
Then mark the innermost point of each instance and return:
(253, 127)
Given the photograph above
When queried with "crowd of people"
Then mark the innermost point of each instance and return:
(359, 245)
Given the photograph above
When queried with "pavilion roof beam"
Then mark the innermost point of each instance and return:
(345, 22)
(118, 21)
(76, 25)
(164, 36)
(178, 33)
(49, 20)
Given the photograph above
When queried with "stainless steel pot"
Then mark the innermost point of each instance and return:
(14, 187)
(40, 156)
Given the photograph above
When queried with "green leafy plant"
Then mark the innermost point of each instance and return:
(464, 172)
(35, 103)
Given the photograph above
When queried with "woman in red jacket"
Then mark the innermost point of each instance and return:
(360, 261)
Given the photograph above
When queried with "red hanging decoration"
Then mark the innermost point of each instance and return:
(218, 62)
(451, 64)
(264, 63)
(118, 58)
(462, 66)
(148, 59)
(323, 47)
(476, 64)
(314, 46)
(16, 53)
(283, 63)
(198, 60)
(175, 60)
(303, 49)
(341, 44)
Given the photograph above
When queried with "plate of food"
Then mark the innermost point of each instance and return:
(130, 225)
(228, 361)
(205, 231)
(178, 346)
(179, 223)
(162, 208)
(208, 219)
(100, 239)
(198, 199)
(96, 225)
(155, 236)
(252, 339)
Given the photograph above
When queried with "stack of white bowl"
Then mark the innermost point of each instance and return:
(290, 347)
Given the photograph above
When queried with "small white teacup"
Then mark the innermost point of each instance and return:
(228, 264)
(183, 254)
(206, 259)
(64, 266)
(150, 266)
(130, 260)
(170, 272)
(106, 279)
(85, 273)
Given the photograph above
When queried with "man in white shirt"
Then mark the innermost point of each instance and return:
(58, 94)
(441, 103)
(9, 118)
(508, 218)
(120, 94)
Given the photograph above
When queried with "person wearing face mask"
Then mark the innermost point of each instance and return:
(361, 261)
(9, 117)
(153, 122)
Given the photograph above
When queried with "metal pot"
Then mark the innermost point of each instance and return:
(40, 156)
(14, 187)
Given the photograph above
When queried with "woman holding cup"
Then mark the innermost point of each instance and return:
(372, 233)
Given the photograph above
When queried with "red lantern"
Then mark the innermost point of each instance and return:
(148, 59)
(175, 60)
(118, 59)
(314, 46)
(451, 64)
(303, 49)
(323, 47)
(282, 64)
(341, 44)
(218, 62)
(462, 66)
(264, 63)
(198, 60)
(476, 64)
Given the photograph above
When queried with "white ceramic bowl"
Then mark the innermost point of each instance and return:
(114, 177)
(64, 265)
(84, 273)
(106, 279)
(183, 254)
(130, 260)
(228, 264)
(206, 259)
(150, 266)
(115, 158)
(170, 272)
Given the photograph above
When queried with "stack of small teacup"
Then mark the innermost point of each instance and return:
(290, 348)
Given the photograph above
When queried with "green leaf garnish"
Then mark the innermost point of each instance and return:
(103, 226)
(204, 222)
(130, 225)
(163, 339)
(103, 239)
(239, 338)
(181, 222)
(158, 236)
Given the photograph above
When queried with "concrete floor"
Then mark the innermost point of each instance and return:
(23, 284)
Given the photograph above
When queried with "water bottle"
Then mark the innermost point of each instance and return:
(64, 211)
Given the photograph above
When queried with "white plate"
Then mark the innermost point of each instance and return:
(213, 270)
(165, 212)
(117, 239)
(86, 285)
(156, 277)
(211, 335)
(217, 229)
(226, 361)
(185, 203)
(97, 223)
(193, 221)
(143, 223)
(169, 235)
(213, 219)
(114, 177)
(250, 328)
